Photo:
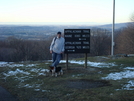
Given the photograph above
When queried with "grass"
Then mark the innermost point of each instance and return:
(128, 61)
(35, 87)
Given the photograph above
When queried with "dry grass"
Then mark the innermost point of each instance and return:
(77, 84)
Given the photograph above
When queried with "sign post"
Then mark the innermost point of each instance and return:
(67, 60)
(85, 60)
(77, 41)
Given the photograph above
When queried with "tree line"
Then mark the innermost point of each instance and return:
(16, 49)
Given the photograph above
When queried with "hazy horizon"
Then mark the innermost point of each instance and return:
(55, 23)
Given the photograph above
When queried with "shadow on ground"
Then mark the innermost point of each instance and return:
(86, 84)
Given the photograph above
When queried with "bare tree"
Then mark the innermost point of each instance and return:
(100, 42)
(125, 40)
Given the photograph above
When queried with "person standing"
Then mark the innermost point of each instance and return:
(57, 49)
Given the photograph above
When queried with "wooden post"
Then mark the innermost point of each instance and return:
(67, 60)
(85, 60)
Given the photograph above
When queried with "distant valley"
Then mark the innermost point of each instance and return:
(32, 32)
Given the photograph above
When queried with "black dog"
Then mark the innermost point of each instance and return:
(56, 71)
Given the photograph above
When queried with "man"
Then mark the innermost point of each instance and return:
(56, 49)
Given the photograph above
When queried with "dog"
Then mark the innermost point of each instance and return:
(56, 71)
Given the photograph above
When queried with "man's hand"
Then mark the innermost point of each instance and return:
(51, 51)
(62, 52)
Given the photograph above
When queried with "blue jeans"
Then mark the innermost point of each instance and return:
(56, 59)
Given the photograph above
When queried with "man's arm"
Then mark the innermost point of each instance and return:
(51, 46)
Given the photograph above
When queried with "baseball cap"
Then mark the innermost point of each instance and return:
(58, 32)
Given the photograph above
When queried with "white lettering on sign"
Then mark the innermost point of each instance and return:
(70, 47)
(86, 31)
(71, 50)
(85, 35)
(85, 47)
(68, 36)
(76, 35)
(78, 47)
(82, 38)
(85, 42)
(72, 31)
(76, 31)
(77, 40)
(68, 31)
(68, 42)
(73, 43)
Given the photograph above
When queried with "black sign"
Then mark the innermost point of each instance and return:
(77, 40)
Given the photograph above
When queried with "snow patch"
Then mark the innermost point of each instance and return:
(93, 64)
(17, 71)
(129, 85)
(119, 75)
(127, 73)
(12, 64)
(130, 68)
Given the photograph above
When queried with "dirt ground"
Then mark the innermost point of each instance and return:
(84, 83)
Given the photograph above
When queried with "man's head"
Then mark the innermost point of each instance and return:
(58, 34)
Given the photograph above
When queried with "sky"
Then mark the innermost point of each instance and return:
(65, 11)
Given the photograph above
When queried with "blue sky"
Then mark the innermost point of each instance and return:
(99, 11)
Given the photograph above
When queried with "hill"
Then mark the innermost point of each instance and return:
(117, 25)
